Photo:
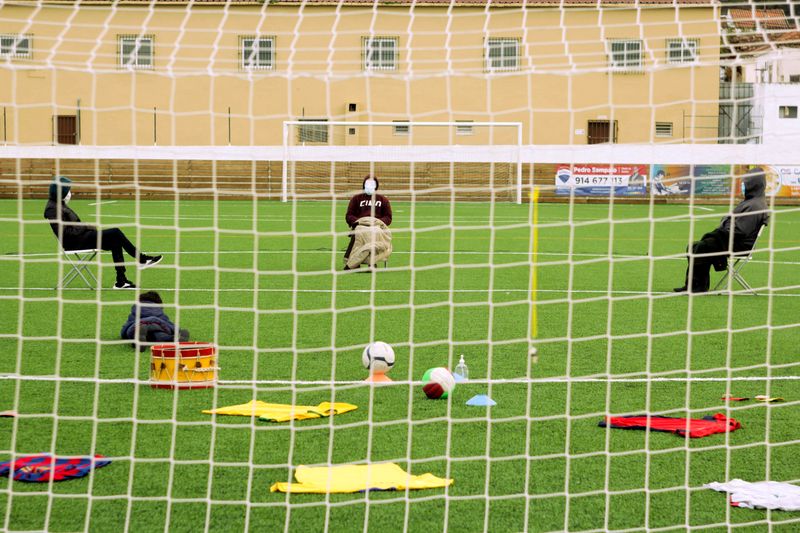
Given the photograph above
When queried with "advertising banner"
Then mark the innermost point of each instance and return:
(601, 179)
(712, 180)
(671, 180)
(782, 181)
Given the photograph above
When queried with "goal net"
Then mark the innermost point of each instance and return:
(542, 172)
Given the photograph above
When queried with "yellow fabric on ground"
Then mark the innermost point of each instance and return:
(357, 478)
(280, 412)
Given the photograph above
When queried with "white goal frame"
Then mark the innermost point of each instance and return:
(399, 152)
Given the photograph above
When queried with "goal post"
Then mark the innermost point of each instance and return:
(466, 146)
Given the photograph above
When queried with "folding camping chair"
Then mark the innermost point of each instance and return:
(79, 261)
(740, 259)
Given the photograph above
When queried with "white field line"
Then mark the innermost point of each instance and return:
(396, 252)
(680, 257)
(560, 379)
(444, 219)
(761, 291)
(419, 218)
(104, 203)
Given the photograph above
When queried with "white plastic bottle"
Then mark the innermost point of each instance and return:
(461, 368)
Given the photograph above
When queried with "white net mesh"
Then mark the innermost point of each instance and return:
(231, 137)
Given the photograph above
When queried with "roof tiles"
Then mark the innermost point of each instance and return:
(768, 19)
(423, 3)
(500, 3)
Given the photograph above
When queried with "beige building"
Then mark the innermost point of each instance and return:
(216, 73)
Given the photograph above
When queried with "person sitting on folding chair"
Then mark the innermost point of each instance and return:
(715, 247)
(366, 204)
(75, 235)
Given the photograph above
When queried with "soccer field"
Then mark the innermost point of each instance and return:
(263, 281)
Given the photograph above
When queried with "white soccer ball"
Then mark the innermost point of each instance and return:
(378, 357)
(438, 383)
(443, 377)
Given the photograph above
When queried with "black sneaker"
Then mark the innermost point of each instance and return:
(124, 284)
(146, 261)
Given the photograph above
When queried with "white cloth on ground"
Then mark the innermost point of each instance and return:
(761, 494)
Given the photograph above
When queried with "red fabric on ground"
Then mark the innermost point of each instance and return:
(697, 427)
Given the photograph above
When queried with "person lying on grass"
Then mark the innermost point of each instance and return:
(75, 235)
(148, 322)
(715, 247)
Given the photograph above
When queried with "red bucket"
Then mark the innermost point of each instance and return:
(183, 365)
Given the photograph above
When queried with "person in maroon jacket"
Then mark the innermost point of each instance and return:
(367, 204)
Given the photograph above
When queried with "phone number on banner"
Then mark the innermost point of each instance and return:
(619, 181)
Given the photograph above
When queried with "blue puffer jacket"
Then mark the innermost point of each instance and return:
(149, 314)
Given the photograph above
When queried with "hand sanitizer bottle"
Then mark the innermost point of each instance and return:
(461, 369)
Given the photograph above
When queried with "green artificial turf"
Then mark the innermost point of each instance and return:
(275, 301)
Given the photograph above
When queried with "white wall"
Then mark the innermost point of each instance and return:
(768, 97)
(775, 67)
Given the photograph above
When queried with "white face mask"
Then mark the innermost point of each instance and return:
(370, 186)
(67, 197)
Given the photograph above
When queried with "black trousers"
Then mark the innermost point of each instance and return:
(715, 242)
(114, 241)
(350, 246)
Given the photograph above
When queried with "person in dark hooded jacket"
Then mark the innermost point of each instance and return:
(75, 235)
(148, 322)
(715, 247)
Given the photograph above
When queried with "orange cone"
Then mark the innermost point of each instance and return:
(378, 377)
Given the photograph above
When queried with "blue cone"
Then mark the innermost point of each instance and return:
(481, 400)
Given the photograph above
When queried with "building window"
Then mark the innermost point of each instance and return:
(681, 50)
(402, 128)
(625, 54)
(257, 53)
(464, 128)
(136, 51)
(380, 53)
(663, 129)
(16, 46)
(312, 133)
(794, 78)
(602, 131)
(787, 111)
(502, 53)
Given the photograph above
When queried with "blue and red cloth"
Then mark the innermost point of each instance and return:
(691, 427)
(41, 468)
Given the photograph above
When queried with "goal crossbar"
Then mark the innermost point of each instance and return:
(403, 151)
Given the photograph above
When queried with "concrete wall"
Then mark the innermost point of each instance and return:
(205, 179)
